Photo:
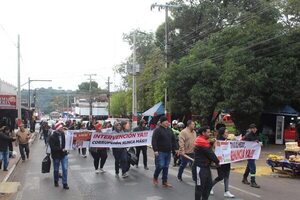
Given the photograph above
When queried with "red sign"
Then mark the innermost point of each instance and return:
(8, 101)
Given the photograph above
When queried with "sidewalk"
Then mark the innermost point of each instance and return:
(13, 162)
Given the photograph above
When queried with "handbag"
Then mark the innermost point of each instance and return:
(46, 164)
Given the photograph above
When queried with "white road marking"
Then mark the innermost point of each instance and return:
(154, 198)
(244, 191)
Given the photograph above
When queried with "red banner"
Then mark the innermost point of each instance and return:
(8, 101)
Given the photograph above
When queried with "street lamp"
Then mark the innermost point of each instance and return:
(29, 81)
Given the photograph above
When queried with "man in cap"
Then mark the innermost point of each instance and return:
(163, 142)
(59, 154)
(251, 135)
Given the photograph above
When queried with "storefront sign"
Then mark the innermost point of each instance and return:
(8, 101)
(233, 151)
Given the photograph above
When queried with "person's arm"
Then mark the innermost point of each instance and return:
(181, 143)
(211, 155)
(154, 140)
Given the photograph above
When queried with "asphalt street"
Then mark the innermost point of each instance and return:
(86, 185)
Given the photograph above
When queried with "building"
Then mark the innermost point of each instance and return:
(81, 106)
(8, 105)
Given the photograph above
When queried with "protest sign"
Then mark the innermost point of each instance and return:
(233, 151)
(121, 140)
(106, 138)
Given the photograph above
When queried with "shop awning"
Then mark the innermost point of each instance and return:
(284, 110)
(157, 109)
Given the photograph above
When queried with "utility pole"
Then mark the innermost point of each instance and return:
(134, 97)
(29, 99)
(19, 121)
(90, 91)
(108, 95)
(166, 7)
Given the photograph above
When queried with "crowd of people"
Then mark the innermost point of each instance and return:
(188, 146)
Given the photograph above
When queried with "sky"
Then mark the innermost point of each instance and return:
(61, 40)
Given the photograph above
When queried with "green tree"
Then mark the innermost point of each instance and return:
(120, 103)
(85, 86)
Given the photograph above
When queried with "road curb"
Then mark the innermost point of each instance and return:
(12, 169)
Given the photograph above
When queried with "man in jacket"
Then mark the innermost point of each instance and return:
(4, 143)
(141, 127)
(23, 137)
(201, 167)
(187, 138)
(59, 155)
(252, 135)
(163, 142)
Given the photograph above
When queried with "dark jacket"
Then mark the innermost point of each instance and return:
(140, 128)
(5, 140)
(203, 153)
(57, 149)
(250, 136)
(163, 140)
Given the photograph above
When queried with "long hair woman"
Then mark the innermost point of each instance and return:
(223, 170)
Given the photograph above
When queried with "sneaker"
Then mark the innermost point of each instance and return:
(155, 181)
(245, 181)
(212, 191)
(102, 170)
(125, 175)
(84, 156)
(254, 184)
(55, 183)
(136, 166)
(66, 187)
(146, 168)
(117, 175)
(228, 194)
(5, 169)
(179, 179)
(97, 171)
(167, 185)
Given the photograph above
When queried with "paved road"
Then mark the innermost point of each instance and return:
(86, 185)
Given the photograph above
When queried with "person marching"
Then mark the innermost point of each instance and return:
(120, 154)
(23, 136)
(252, 135)
(141, 127)
(187, 138)
(97, 154)
(176, 132)
(59, 154)
(163, 142)
(5, 139)
(201, 166)
(223, 170)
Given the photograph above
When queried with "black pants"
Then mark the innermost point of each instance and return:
(83, 149)
(203, 182)
(121, 160)
(223, 173)
(144, 151)
(99, 154)
(23, 147)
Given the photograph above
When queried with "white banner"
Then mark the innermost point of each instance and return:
(120, 140)
(233, 151)
(106, 138)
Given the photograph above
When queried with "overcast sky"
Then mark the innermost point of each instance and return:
(62, 40)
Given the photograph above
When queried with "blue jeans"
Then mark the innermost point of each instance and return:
(4, 157)
(64, 166)
(162, 164)
(251, 168)
(183, 164)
